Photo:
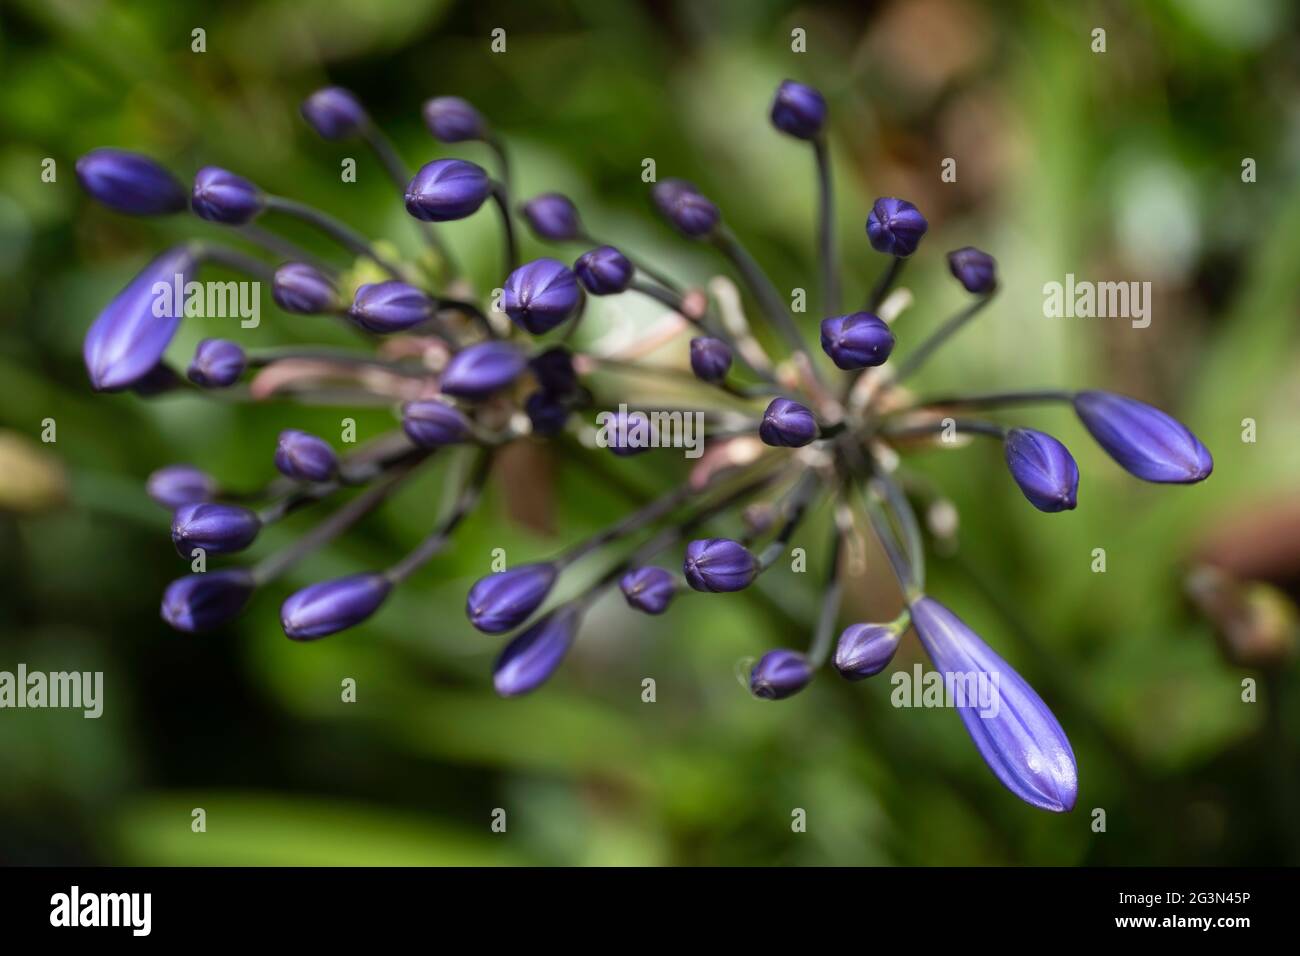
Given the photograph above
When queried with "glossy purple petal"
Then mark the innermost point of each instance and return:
(447, 189)
(303, 289)
(304, 457)
(604, 271)
(452, 119)
(200, 602)
(787, 424)
(390, 306)
(216, 528)
(334, 113)
(648, 589)
(541, 294)
(683, 205)
(431, 423)
(217, 363)
(719, 565)
(332, 606)
(1043, 468)
(176, 485)
(798, 110)
(221, 196)
(780, 674)
(481, 369)
(552, 216)
(895, 227)
(130, 183)
(1144, 440)
(710, 358)
(506, 599)
(858, 340)
(865, 650)
(531, 658)
(975, 270)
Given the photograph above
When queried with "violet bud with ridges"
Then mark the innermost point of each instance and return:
(505, 599)
(648, 589)
(975, 270)
(719, 565)
(1043, 468)
(221, 196)
(604, 271)
(857, 340)
(176, 485)
(200, 602)
(390, 306)
(303, 289)
(530, 659)
(552, 216)
(332, 606)
(780, 674)
(895, 227)
(798, 110)
(682, 205)
(541, 294)
(452, 119)
(547, 413)
(481, 369)
(305, 457)
(1145, 441)
(865, 649)
(216, 528)
(431, 423)
(787, 424)
(334, 113)
(554, 371)
(217, 363)
(447, 189)
(710, 358)
(130, 183)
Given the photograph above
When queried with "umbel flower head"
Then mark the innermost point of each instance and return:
(789, 430)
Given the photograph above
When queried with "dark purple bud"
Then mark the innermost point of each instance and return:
(217, 363)
(447, 189)
(334, 113)
(531, 658)
(177, 485)
(787, 424)
(798, 110)
(506, 599)
(710, 358)
(333, 606)
(453, 120)
(390, 306)
(604, 271)
(130, 183)
(866, 649)
(1015, 733)
(547, 413)
(552, 216)
(682, 205)
(200, 602)
(216, 528)
(975, 270)
(1145, 441)
(895, 227)
(718, 565)
(541, 294)
(1043, 468)
(431, 423)
(555, 372)
(126, 342)
(626, 433)
(780, 674)
(858, 340)
(648, 589)
(221, 196)
(482, 368)
(303, 289)
(159, 380)
(303, 456)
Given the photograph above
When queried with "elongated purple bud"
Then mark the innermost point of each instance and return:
(787, 424)
(304, 289)
(895, 227)
(390, 306)
(304, 457)
(858, 340)
(454, 120)
(552, 216)
(130, 183)
(332, 606)
(541, 294)
(176, 485)
(431, 423)
(481, 369)
(866, 649)
(648, 589)
(531, 658)
(1015, 733)
(604, 271)
(221, 196)
(201, 602)
(547, 413)
(710, 358)
(798, 110)
(447, 189)
(719, 565)
(504, 600)
(780, 674)
(217, 363)
(1043, 468)
(216, 528)
(685, 207)
(334, 113)
(975, 270)
(1145, 441)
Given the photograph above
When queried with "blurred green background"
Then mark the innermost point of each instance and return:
(1123, 165)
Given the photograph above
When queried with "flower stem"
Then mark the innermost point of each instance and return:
(965, 426)
(397, 171)
(996, 399)
(885, 283)
(282, 247)
(346, 237)
(937, 338)
(502, 199)
(437, 539)
(826, 229)
(820, 648)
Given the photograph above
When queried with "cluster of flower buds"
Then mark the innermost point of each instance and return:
(465, 379)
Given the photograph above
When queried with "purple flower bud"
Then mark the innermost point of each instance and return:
(127, 340)
(552, 216)
(447, 189)
(1015, 733)
(718, 565)
(482, 368)
(217, 363)
(604, 271)
(975, 270)
(453, 120)
(682, 205)
(200, 602)
(531, 658)
(554, 371)
(710, 358)
(303, 289)
(648, 589)
(390, 306)
(1043, 468)
(506, 599)
(1145, 441)
(546, 412)
(216, 528)
(787, 424)
(177, 485)
(303, 456)
(541, 294)
(780, 674)
(798, 110)
(431, 423)
(865, 649)
(331, 606)
(858, 340)
(334, 113)
(159, 380)
(221, 196)
(626, 433)
(895, 227)
(130, 183)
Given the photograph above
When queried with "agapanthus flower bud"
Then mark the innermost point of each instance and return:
(216, 528)
(648, 589)
(431, 423)
(127, 340)
(1145, 441)
(787, 424)
(303, 456)
(506, 599)
(604, 271)
(798, 110)
(454, 120)
(554, 371)
(304, 289)
(221, 196)
(130, 183)
(331, 606)
(858, 340)
(390, 306)
(200, 602)
(1015, 733)
(217, 363)
(1043, 468)
(719, 565)
(334, 113)
(482, 368)
(552, 216)
(780, 674)
(710, 358)
(975, 270)
(531, 658)
(547, 413)
(865, 649)
(159, 380)
(627, 433)
(684, 206)
(541, 294)
(447, 189)
(176, 485)
(895, 227)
